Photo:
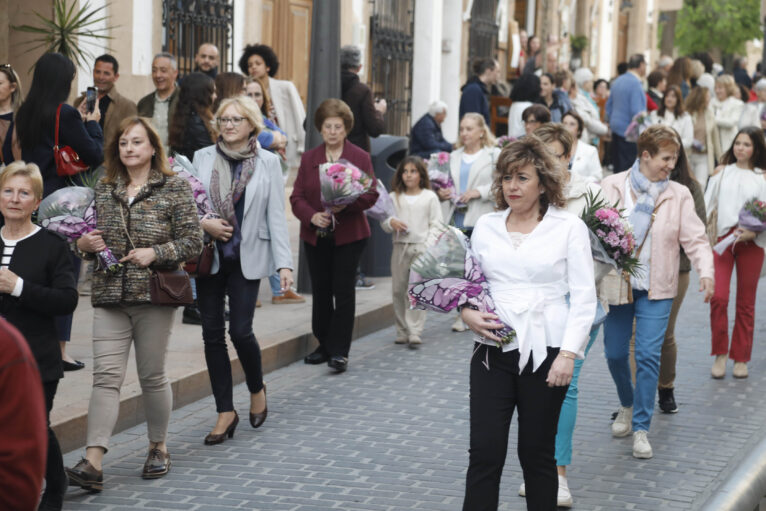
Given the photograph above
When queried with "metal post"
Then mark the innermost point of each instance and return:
(324, 82)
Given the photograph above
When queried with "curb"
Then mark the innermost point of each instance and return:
(71, 433)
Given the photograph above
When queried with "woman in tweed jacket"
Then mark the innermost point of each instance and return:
(147, 217)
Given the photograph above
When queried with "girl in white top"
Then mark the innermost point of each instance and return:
(727, 109)
(533, 253)
(417, 219)
(585, 162)
(739, 179)
(672, 113)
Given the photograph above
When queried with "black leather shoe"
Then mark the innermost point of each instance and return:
(256, 419)
(157, 464)
(213, 439)
(667, 401)
(86, 476)
(340, 364)
(192, 315)
(316, 357)
(73, 366)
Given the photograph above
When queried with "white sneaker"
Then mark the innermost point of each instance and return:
(641, 447)
(459, 326)
(565, 496)
(622, 424)
(522, 490)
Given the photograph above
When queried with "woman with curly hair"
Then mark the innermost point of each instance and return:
(191, 127)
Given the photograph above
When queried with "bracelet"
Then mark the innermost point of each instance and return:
(566, 355)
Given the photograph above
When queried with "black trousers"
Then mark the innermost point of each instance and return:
(623, 153)
(333, 289)
(243, 294)
(495, 394)
(55, 477)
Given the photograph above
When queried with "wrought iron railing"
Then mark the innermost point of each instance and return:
(189, 23)
(483, 32)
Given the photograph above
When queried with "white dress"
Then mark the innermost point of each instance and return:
(683, 125)
(529, 283)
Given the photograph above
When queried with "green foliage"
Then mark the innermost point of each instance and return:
(61, 33)
(724, 24)
(578, 43)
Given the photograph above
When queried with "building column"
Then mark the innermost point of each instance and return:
(453, 61)
(427, 57)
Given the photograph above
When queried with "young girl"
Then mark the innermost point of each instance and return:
(739, 179)
(418, 216)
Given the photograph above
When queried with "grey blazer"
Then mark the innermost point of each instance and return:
(265, 241)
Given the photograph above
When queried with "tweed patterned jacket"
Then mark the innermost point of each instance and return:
(163, 216)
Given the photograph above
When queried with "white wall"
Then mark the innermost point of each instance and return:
(451, 62)
(143, 24)
(427, 58)
(95, 46)
(609, 17)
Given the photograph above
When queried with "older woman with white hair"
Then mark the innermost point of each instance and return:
(586, 106)
(426, 137)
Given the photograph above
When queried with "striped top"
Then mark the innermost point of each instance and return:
(5, 259)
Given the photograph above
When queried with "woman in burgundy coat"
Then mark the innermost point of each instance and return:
(333, 258)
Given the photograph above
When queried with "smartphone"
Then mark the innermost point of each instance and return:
(90, 99)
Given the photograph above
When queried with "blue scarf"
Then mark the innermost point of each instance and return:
(646, 193)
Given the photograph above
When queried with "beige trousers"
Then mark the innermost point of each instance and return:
(114, 330)
(409, 322)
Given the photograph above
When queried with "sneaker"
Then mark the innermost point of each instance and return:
(667, 401)
(288, 296)
(458, 325)
(622, 424)
(564, 498)
(522, 490)
(400, 340)
(415, 342)
(719, 367)
(641, 447)
(364, 283)
(740, 370)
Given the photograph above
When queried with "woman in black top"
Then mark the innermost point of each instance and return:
(36, 283)
(10, 99)
(191, 127)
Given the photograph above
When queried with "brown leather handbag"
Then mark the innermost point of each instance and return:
(67, 160)
(200, 266)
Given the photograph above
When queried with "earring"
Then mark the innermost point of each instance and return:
(154, 154)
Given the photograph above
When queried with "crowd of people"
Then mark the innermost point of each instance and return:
(680, 156)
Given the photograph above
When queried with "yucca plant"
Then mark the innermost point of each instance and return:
(62, 33)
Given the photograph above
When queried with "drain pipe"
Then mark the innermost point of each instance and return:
(745, 487)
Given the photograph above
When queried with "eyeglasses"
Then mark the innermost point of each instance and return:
(235, 121)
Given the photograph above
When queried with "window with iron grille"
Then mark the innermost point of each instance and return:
(391, 39)
(189, 23)
(483, 31)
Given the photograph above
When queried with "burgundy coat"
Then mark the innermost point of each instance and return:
(306, 198)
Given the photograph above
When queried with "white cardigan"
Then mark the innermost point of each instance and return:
(423, 217)
(586, 163)
(290, 116)
(479, 178)
(735, 186)
(529, 284)
(727, 116)
(683, 125)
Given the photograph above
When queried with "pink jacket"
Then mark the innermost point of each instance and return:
(676, 225)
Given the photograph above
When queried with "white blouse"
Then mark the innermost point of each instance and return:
(683, 125)
(585, 162)
(529, 284)
(735, 186)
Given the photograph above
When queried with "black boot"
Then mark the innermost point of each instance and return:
(667, 401)
(192, 315)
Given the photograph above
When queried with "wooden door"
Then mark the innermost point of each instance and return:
(286, 27)
(622, 39)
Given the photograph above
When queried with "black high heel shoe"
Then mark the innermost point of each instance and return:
(213, 439)
(256, 419)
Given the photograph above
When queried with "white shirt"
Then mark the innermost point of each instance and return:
(683, 125)
(585, 163)
(529, 284)
(515, 124)
(645, 257)
(730, 189)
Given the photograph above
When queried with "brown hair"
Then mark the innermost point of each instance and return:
(679, 110)
(655, 78)
(758, 159)
(23, 169)
(680, 72)
(556, 132)
(266, 106)
(333, 107)
(115, 168)
(227, 85)
(397, 183)
(656, 137)
(580, 123)
(697, 100)
(530, 150)
(12, 77)
(541, 113)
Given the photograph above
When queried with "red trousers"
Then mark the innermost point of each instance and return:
(748, 258)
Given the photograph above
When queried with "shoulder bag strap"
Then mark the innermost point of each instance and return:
(125, 226)
(56, 133)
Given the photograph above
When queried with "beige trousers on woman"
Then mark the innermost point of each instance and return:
(114, 330)
(409, 322)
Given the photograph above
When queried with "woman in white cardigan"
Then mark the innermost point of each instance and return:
(727, 109)
(585, 162)
(533, 254)
(673, 114)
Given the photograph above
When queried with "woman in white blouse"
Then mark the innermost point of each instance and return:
(585, 162)
(533, 254)
(671, 113)
(727, 109)
(740, 178)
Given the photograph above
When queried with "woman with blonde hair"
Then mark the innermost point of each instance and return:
(706, 144)
(727, 109)
(147, 216)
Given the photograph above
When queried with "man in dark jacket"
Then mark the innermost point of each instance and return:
(368, 115)
(206, 60)
(475, 96)
(159, 105)
(426, 136)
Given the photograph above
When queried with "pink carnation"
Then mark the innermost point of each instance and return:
(442, 158)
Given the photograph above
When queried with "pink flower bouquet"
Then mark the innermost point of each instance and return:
(383, 208)
(447, 276)
(504, 141)
(341, 183)
(752, 217)
(181, 165)
(439, 173)
(611, 235)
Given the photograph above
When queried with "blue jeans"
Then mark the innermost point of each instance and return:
(651, 322)
(568, 413)
(276, 284)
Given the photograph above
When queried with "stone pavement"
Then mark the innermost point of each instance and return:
(391, 434)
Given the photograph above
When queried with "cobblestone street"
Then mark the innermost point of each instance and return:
(392, 434)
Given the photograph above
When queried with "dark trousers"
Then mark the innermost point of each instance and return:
(623, 153)
(64, 323)
(495, 393)
(333, 279)
(242, 296)
(55, 477)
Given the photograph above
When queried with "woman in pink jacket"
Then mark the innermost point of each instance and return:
(663, 218)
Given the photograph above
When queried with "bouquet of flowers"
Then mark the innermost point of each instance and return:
(752, 217)
(637, 126)
(341, 183)
(504, 141)
(447, 276)
(71, 212)
(181, 165)
(384, 206)
(439, 174)
(611, 236)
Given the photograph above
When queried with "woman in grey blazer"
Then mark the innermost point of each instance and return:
(244, 184)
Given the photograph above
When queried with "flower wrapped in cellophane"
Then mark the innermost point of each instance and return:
(752, 217)
(181, 165)
(611, 236)
(447, 275)
(341, 183)
(439, 173)
(504, 141)
(637, 125)
(383, 208)
(71, 212)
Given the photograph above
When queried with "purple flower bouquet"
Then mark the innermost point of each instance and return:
(752, 217)
(383, 208)
(439, 173)
(71, 212)
(637, 126)
(181, 165)
(341, 183)
(447, 276)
